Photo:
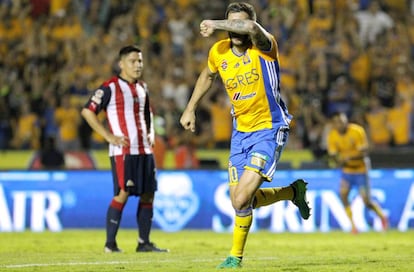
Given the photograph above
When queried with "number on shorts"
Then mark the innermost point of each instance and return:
(233, 177)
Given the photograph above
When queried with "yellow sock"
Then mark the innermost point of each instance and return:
(267, 196)
(349, 214)
(240, 232)
(374, 206)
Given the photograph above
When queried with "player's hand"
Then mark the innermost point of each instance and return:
(187, 120)
(342, 161)
(151, 139)
(206, 28)
(119, 141)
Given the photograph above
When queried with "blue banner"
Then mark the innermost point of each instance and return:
(198, 199)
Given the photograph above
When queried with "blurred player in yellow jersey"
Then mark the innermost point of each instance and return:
(248, 65)
(348, 147)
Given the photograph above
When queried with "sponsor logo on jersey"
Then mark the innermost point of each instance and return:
(224, 65)
(239, 96)
(246, 59)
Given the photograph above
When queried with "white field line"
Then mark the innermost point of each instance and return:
(16, 266)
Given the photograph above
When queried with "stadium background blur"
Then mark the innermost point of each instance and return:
(333, 55)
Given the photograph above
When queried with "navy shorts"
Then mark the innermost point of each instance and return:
(134, 173)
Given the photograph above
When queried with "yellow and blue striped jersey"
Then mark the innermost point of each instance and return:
(252, 83)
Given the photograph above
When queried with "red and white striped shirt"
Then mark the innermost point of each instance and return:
(128, 113)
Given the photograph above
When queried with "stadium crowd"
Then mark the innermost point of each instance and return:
(336, 55)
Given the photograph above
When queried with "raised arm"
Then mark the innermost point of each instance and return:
(259, 36)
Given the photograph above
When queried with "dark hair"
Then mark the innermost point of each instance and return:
(241, 7)
(337, 114)
(128, 49)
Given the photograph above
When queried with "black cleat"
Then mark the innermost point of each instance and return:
(112, 249)
(149, 247)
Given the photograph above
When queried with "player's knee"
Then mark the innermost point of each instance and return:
(122, 196)
(147, 198)
(240, 202)
(368, 204)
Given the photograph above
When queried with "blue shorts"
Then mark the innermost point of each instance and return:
(358, 180)
(258, 151)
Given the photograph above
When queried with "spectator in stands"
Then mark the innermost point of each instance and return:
(176, 87)
(404, 77)
(27, 132)
(185, 155)
(311, 119)
(171, 115)
(178, 25)
(5, 125)
(322, 18)
(68, 119)
(376, 118)
(221, 119)
(382, 82)
(399, 121)
(48, 119)
(372, 23)
(342, 96)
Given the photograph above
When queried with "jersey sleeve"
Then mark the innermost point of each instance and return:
(99, 99)
(362, 139)
(331, 146)
(273, 52)
(211, 61)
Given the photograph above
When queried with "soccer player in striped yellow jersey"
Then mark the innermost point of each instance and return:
(247, 62)
(348, 147)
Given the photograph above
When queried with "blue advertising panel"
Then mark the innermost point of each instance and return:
(198, 199)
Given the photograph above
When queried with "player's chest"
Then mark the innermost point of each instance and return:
(238, 72)
(346, 142)
(130, 95)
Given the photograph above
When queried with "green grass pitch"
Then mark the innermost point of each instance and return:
(82, 250)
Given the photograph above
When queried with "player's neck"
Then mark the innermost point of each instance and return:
(239, 50)
(128, 79)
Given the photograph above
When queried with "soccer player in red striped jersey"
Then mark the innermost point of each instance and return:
(125, 99)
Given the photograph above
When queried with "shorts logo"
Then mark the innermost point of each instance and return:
(259, 159)
(130, 183)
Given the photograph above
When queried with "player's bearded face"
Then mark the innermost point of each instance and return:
(239, 39)
(242, 40)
